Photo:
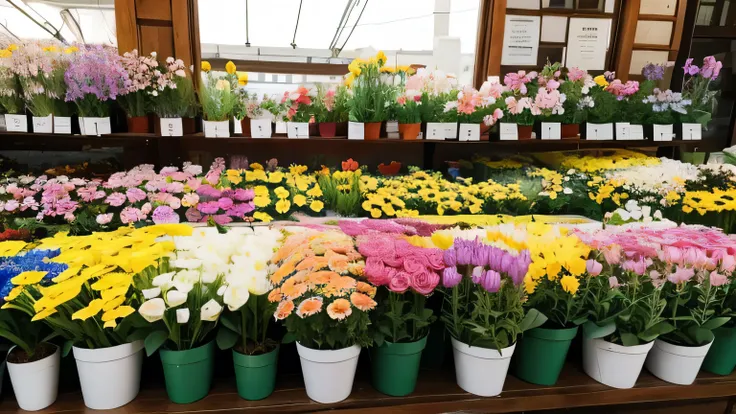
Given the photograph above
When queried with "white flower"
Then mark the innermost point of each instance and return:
(657, 215)
(175, 298)
(163, 280)
(567, 190)
(182, 315)
(625, 216)
(184, 280)
(646, 210)
(210, 311)
(187, 263)
(153, 310)
(235, 297)
(151, 293)
(221, 290)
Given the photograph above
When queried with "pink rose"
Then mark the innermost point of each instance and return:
(376, 272)
(425, 282)
(414, 264)
(400, 282)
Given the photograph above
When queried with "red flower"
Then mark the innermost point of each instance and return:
(391, 169)
(349, 165)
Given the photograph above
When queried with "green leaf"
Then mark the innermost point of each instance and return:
(228, 320)
(154, 340)
(655, 331)
(288, 338)
(629, 339)
(137, 334)
(226, 338)
(591, 330)
(715, 323)
(532, 319)
(66, 348)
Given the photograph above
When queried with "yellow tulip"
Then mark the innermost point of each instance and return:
(381, 57)
(206, 67)
(230, 67)
(242, 78)
(5, 53)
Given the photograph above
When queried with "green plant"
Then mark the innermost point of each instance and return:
(401, 317)
(370, 94)
(246, 329)
(217, 98)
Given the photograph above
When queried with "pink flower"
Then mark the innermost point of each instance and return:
(103, 219)
(613, 282)
(193, 215)
(12, 205)
(711, 68)
(135, 195)
(451, 277)
(146, 208)
(401, 100)
(400, 282)
(728, 264)
(376, 272)
(225, 203)
(164, 215)
(717, 279)
(131, 215)
(115, 199)
(593, 267)
(682, 274)
(190, 200)
(490, 90)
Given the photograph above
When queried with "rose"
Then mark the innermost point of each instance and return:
(424, 282)
(400, 282)
(435, 259)
(376, 272)
(414, 263)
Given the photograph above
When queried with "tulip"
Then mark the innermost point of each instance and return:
(235, 297)
(153, 310)
(175, 298)
(163, 280)
(210, 311)
(182, 315)
(151, 293)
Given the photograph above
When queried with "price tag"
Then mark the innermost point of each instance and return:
(297, 129)
(216, 129)
(436, 131)
(663, 132)
(599, 132)
(237, 127)
(356, 130)
(692, 132)
(43, 124)
(16, 123)
(623, 131)
(509, 131)
(551, 130)
(392, 129)
(469, 132)
(260, 128)
(62, 125)
(450, 130)
(96, 126)
(281, 127)
(636, 132)
(171, 127)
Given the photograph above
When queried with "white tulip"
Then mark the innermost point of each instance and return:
(646, 210)
(209, 276)
(182, 315)
(210, 311)
(153, 310)
(175, 298)
(151, 293)
(221, 290)
(235, 297)
(163, 280)
(187, 263)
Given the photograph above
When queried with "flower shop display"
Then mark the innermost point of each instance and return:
(437, 88)
(520, 93)
(298, 113)
(324, 308)
(173, 100)
(330, 109)
(218, 100)
(663, 111)
(370, 94)
(476, 110)
(11, 92)
(698, 91)
(257, 116)
(601, 114)
(136, 101)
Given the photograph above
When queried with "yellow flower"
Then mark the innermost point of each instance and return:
(260, 191)
(300, 200)
(259, 215)
(354, 69)
(298, 169)
(281, 192)
(206, 67)
(347, 82)
(91, 310)
(570, 284)
(43, 314)
(242, 78)
(388, 69)
(315, 191)
(30, 277)
(375, 213)
(601, 81)
(12, 47)
(119, 312)
(5, 53)
(381, 57)
(275, 177)
(230, 67)
(14, 293)
(71, 49)
(110, 324)
(282, 206)
(316, 206)
(256, 166)
(262, 201)
(234, 176)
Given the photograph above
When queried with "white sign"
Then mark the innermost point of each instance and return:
(43, 124)
(551, 130)
(692, 132)
(436, 131)
(171, 127)
(95, 126)
(508, 131)
(469, 132)
(281, 127)
(623, 131)
(356, 130)
(62, 125)
(598, 132)
(663, 132)
(216, 129)
(521, 40)
(237, 127)
(450, 130)
(260, 128)
(16, 123)
(587, 43)
(297, 129)
(392, 129)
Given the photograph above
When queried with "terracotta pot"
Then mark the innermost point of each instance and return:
(245, 126)
(409, 132)
(139, 124)
(372, 131)
(327, 129)
(525, 131)
(189, 126)
(570, 131)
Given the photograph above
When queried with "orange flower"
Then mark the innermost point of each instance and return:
(349, 165)
(337, 262)
(283, 310)
(321, 277)
(309, 307)
(286, 268)
(363, 287)
(343, 282)
(274, 295)
(312, 263)
(362, 302)
(339, 309)
(291, 289)
(358, 269)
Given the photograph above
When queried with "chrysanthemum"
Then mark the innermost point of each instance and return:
(309, 307)
(339, 309)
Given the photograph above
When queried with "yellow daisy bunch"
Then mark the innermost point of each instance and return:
(602, 189)
(709, 201)
(591, 162)
(551, 181)
(556, 255)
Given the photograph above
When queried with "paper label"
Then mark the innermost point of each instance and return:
(62, 125)
(171, 127)
(623, 131)
(450, 130)
(599, 132)
(636, 132)
(216, 129)
(392, 126)
(551, 130)
(663, 132)
(260, 128)
(469, 132)
(509, 131)
(16, 123)
(692, 132)
(237, 127)
(356, 130)
(297, 129)
(43, 124)
(436, 131)
(95, 126)
(281, 127)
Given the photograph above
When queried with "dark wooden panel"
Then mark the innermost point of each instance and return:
(157, 39)
(625, 38)
(153, 9)
(182, 28)
(497, 35)
(125, 25)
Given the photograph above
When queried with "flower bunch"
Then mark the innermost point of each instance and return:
(370, 93)
(216, 94)
(94, 77)
(341, 190)
(298, 103)
(697, 89)
(331, 104)
(218, 197)
(576, 88)
(11, 92)
(664, 105)
(622, 90)
(40, 71)
(278, 193)
(473, 106)
(142, 72)
(173, 92)
(437, 89)
(408, 107)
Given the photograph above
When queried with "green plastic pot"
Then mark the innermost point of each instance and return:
(188, 374)
(541, 353)
(255, 375)
(721, 358)
(395, 367)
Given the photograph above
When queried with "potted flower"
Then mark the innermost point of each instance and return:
(33, 362)
(576, 87)
(135, 100)
(218, 100)
(483, 312)
(405, 276)
(521, 110)
(11, 92)
(342, 189)
(437, 88)
(721, 358)
(697, 90)
(370, 95)
(94, 77)
(330, 109)
(324, 308)
(603, 111)
(633, 108)
(182, 306)
(298, 114)
(173, 100)
(245, 324)
(663, 110)
(476, 111)
(408, 114)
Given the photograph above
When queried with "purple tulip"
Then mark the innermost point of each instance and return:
(491, 281)
(451, 277)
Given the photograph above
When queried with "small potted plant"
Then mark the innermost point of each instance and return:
(218, 100)
(173, 100)
(698, 90)
(368, 106)
(330, 109)
(299, 112)
(476, 111)
(136, 101)
(602, 113)
(663, 110)
(408, 113)
(11, 100)
(576, 87)
(521, 111)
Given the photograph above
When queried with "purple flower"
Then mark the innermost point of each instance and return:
(193, 215)
(165, 215)
(477, 274)
(593, 267)
(206, 190)
(711, 68)
(240, 209)
(491, 281)
(244, 194)
(209, 207)
(463, 252)
(115, 199)
(96, 71)
(450, 258)
(689, 68)
(135, 195)
(239, 162)
(653, 72)
(225, 203)
(480, 254)
(451, 277)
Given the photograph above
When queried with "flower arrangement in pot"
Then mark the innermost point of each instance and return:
(370, 94)
(698, 89)
(663, 109)
(342, 189)
(142, 72)
(330, 109)
(633, 105)
(602, 112)
(257, 116)
(173, 100)
(476, 110)
(11, 92)
(521, 89)
(550, 102)
(324, 307)
(245, 324)
(95, 77)
(218, 100)
(576, 87)
(437, 89)
(408, 113)
(483, 311)
(299, 112)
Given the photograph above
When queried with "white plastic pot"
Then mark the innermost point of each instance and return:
(675, 363)
(110, 377)
(614, 365)
(481, 371)
(328, 375)
(36, 383)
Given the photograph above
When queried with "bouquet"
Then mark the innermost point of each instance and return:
(697, 89)
(370, 93)
(143, 76)
(95, 76)
(474, 107)
(173, 92)
(11, 92)
(408, 107)
(299, 104)
(37, 68)
(216, 95)
(437, 89)
(320, 299)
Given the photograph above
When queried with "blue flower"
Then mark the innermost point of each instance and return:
(12, 266)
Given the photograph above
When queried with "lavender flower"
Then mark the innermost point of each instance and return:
(491, 281)
(165, 215)
(451, 277)
(653, 72)
(95, 76)
(689, 68)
